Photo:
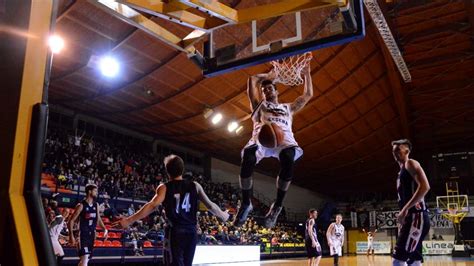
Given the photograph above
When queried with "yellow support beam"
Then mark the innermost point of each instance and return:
(175, 12)
(213, 8)
(282, 8)
(25, 89)
(136, 19)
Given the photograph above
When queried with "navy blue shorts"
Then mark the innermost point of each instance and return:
(179, 246)
(410, 237)
(310, 251)
(86, 243)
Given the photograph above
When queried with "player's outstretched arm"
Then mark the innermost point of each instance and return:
(253, 85)
(145, 210)
(213, 208)
(302, 100)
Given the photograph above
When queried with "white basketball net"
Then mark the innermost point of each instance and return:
(288, 70)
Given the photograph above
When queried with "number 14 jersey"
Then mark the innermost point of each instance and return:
(180, 203)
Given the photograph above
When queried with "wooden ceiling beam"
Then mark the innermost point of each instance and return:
(66, 11)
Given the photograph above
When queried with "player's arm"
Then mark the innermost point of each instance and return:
(70, 225)
(415, 170)
(329, 233)
(343, 236)
(310, 232)
(57, 220)
(213, 208)
(101, 223)
(253, 85)
(302, 100)
(148, 208)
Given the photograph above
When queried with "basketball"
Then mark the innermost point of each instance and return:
(270, 135)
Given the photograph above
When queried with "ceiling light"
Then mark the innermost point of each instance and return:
(56, 44)
(232, 126)
(239, 129)
(109, 66)
(216, 118)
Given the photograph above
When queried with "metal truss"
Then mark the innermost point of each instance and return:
(387, 36)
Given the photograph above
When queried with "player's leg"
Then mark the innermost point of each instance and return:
(84, 250)
(287, 162)
(422, 220)
(317, 260)
(401, 250)
(84, 260)
(190, 249)
(249, 159)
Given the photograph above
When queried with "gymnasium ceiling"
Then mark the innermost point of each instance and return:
(359, 104)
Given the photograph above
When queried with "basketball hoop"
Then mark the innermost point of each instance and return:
(288, 70)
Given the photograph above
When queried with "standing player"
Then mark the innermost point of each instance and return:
(88, 211)
(335, 236)
(55, 226)
(413, 219)
(313, 249)
(279, 115)
(370, 241)
(180, 200)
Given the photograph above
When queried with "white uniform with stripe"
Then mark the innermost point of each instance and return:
(55, 229)
(281, 115)
(370, 242)
(336, 239)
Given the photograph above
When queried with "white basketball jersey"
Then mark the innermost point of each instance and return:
(56, 227)
(279, 114)
(337, 235)
(370, 239)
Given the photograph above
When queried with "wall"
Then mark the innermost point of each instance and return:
(298, 199)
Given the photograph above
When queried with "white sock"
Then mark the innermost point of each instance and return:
(416, 263)
(396, 262)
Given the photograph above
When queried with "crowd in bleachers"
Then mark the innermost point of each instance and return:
(74, 160)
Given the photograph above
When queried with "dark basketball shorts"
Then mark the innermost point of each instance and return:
(410, 237)
(86, 245)
(179, 246)
(310, 251)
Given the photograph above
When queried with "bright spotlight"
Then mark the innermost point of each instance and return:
(56, 44)
(109, 66)
(216, 118)
(239, 129)
(232, 126)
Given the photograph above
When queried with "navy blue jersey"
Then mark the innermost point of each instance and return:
(315, 234)
(406, 187)
(180, 203)
(88, 218)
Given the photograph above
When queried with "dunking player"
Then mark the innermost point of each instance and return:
(313, 249)
(88, 210)
(413, 219)
(267, 111)
(335, 237)
(180, 200)
(370, 241)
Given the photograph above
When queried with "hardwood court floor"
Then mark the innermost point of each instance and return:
(362, 260)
